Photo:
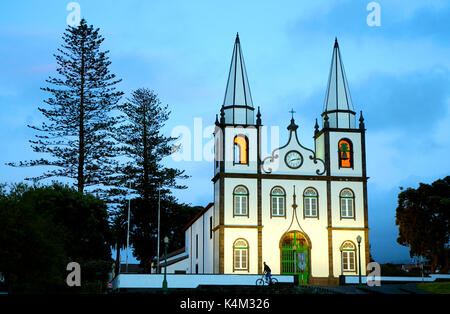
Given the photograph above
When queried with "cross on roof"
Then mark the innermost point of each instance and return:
(292, 112)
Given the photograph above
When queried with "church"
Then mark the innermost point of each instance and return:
(300, 210)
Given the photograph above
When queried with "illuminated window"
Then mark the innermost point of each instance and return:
(345, 153)
(348, 256)
(278, 201)
(347, 201)
(240, 254)
(240, 195)
(310, 201)
(240, 149)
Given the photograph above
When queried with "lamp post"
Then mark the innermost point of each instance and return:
(341, 277)
(358, 238)
(166, 243)
(128, 230)
(158, 268)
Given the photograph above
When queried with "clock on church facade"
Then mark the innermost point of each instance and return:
(294, 203)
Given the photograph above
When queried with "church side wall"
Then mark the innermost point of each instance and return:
(216, 222)
(178, 266)
(208, 244)
(200, 246)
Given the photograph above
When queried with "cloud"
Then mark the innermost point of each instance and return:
(413, 102)
(428, 22)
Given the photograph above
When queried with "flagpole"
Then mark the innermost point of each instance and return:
(128, 230)
(159, 219)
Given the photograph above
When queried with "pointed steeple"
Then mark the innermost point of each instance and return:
(237, 103)
(338, 102)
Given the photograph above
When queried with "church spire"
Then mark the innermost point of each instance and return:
(338, 102)
(237, 103)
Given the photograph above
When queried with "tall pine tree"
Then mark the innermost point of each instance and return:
(145, 147)
(77, 136)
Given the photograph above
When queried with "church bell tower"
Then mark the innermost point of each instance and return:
(237, 131)
(237, 153)
(341, 144)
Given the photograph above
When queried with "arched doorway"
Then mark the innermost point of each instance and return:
(295, 248)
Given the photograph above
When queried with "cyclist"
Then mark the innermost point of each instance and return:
(267, 271)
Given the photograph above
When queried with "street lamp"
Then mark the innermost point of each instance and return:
(158, 268)
(166, 243)
(128, 230)
(358, 238)
(341, 277)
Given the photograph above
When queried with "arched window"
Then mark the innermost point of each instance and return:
(348, 256)
(345, 151)
(310, 203)
(240, 255)
(241, 149)
(240, 196)
(347, 201)
(278, 201)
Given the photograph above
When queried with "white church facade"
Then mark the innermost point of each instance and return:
(295, 204)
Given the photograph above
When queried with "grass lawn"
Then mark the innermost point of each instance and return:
(435, 287)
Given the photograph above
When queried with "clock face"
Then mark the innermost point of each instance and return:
(293, 159)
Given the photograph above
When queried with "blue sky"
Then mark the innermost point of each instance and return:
(398, 74)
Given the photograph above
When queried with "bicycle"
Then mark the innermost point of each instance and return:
(265, 281)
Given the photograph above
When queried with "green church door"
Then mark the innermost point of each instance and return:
(295, 256)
